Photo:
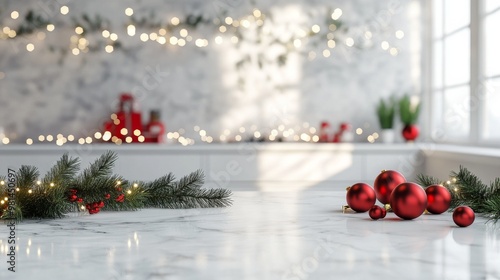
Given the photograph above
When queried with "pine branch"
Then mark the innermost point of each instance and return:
(494, 189)
(134, 197)
(185, 193)
(103, 166)
(469, 190)
(194, 180)
(157, 190)
(61, 191)
(27, 177)
(95, 189)
(425, 180)
(492, 203)
(47, 199)
(63, 171)
(202, 198)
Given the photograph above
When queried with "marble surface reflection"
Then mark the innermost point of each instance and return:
(265, 235)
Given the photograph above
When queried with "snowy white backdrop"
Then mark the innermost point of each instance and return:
(224, 85)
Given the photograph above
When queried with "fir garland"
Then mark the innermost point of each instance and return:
(63, 190)
(467, 189)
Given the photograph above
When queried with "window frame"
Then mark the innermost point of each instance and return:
(477, 92)
(438, 93)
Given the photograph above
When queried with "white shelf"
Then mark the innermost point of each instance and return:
(269, 165)
(288, 165)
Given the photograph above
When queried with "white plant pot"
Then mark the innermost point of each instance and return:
(388, 136)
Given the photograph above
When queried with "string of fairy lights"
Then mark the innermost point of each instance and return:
(169, 33)
(304, 133)
(178, 33)
(81, 204)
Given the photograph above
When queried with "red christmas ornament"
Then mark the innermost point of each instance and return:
(377, 212)
(463, 216)
(107, 196)
(360, 197)
(385, 182)
(410, 132)
(408, 201)
(438, 199)
(73, 198)
(101, 204)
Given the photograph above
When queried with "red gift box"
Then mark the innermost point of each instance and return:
(127, 117)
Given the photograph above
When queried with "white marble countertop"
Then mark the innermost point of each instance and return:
(264, 235)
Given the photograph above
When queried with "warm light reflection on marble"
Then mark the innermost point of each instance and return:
(265, 235)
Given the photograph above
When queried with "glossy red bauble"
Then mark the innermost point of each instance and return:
(408, 201)
(410, 132)
(377, 212)
(385, 182)
(438, 199)
(463, 216)
(360, 197)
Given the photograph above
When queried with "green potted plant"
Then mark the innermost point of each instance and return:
(409, 109)
(386, 111)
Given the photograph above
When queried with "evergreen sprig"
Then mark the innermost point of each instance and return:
(185, 193)
(467, 189)
(103, 166)
(96, 188)
(425, 180)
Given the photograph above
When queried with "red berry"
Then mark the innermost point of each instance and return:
(120, 198)
(101, 204)
(79, 200)
(107, 196)
(73, 198)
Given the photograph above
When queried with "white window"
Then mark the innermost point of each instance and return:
(466, 71)
(451, 70)
(489, 76)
